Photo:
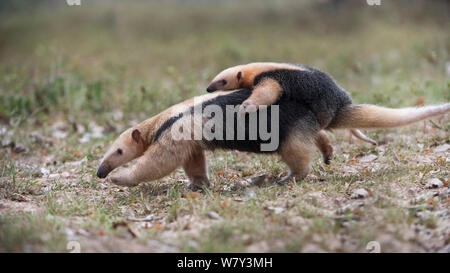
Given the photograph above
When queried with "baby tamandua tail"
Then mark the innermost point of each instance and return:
(269, 81)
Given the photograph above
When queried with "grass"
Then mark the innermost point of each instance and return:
(110, 66)
(31, 233)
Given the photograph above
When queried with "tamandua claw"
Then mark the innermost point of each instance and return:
(197, 184)
(285, 179)
(248, 107)
(120, 181)
(290, 177)
(195, 188)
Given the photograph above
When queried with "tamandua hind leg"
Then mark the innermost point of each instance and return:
(264, 93)
(323, 143)
(196, 170)
(297, 153)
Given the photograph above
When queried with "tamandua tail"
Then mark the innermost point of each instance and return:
(372, 116)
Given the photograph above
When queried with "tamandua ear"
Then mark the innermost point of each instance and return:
(136, 135)
(239, 76)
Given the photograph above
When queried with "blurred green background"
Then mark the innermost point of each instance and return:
(139, 57)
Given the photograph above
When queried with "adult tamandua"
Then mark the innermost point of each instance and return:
(158, 152)
(269, 81)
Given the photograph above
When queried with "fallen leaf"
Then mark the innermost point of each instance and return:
(147, 218)
(359, 193)
(225, 203)
(442, 148)
(54, 176)
(213, 215)
(45, 172)
(420, 101)
(351, 207)
(259, 180)
(249, 194)
(276, 210)
(368, 158)
(193, 195)
(132, 232)
(19, 197)
(115, 225)
(20, 149)
(433, 183)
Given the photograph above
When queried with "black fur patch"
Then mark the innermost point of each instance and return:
(310, 101)
(292, 117)
(166, 125)
(311, 89)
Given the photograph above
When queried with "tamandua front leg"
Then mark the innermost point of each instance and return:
(196, 170)
(159, 160)
(264, 93)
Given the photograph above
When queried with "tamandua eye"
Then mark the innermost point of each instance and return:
(119, 151)
(224, 82)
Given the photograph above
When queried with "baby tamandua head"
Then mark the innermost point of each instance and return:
(266, 92)
(229, 79)
(242, 76)
(128, 146)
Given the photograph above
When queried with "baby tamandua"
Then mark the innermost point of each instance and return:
(269, 82)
